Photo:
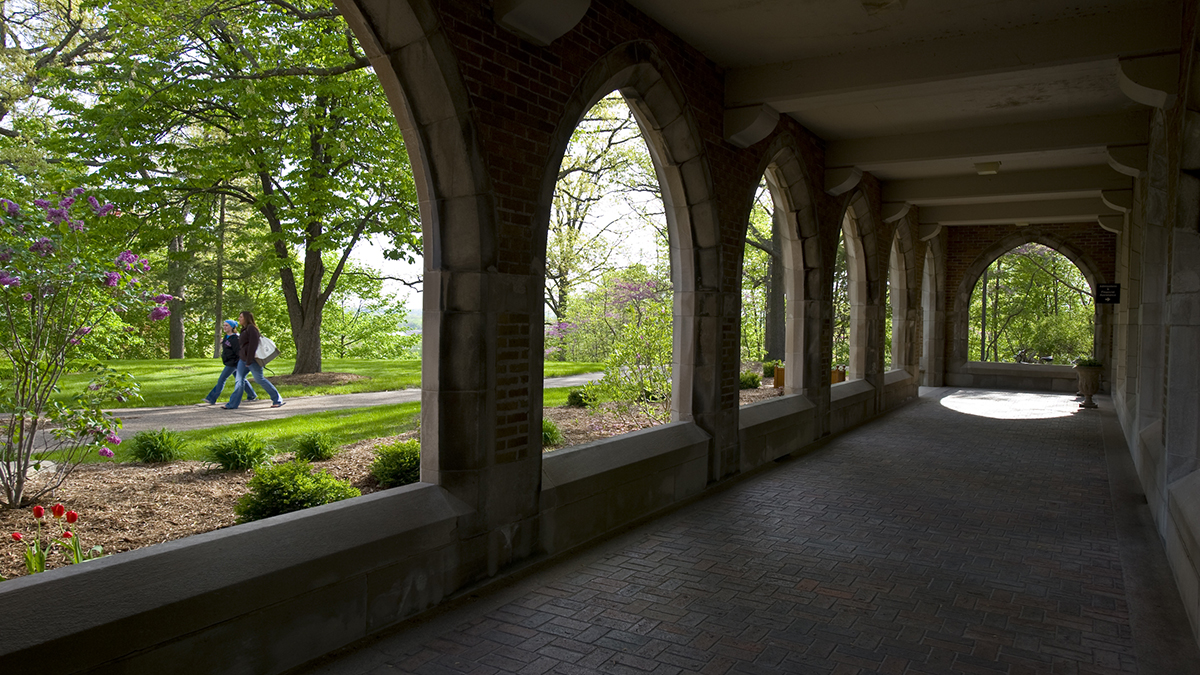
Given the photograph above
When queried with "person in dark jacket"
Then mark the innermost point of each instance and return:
(248, 344)
(229, 356)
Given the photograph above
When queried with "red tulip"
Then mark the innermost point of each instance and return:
(58, 510)
(72, 516)
(16, 536)
(67, 534)
(39, 512)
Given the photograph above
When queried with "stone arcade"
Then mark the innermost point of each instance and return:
(951, 130)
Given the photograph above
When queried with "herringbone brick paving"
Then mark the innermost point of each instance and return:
(930, 541)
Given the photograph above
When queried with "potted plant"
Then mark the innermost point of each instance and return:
(1088, 370)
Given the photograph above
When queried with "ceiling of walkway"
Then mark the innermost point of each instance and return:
(926, 94)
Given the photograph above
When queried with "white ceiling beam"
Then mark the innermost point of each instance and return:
(1130, 160)
(991, 142)
(746, 126)
(540, 21)
(1004, 213)
(842, 180)
(1016, 186)
(881, 74)
(1150, 80)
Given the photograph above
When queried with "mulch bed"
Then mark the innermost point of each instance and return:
(123, 507)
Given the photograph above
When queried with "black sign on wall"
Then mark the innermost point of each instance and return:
(1108, 294)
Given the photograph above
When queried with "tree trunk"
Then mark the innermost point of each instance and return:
(775, 324)
(175, 279)
(983, 343)
(219, 309)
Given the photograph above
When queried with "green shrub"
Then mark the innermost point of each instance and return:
(288, 487)
(551, 436)
(749, 380)
(239, 452)
(577, 398)
(157, 446)
(397, 464)
(769, 368)
(315, 446)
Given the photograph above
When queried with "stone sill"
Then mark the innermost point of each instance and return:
(1019, 370)
(849, 392)
(897, 376)
(772, 410)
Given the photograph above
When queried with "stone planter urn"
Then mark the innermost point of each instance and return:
(1089, 383)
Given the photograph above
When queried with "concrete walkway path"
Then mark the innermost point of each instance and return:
(970, 532)
(187, 417)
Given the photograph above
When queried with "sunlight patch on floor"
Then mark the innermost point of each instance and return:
(1011, 405)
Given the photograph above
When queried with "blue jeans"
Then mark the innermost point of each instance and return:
(216, 391)
(242, 368)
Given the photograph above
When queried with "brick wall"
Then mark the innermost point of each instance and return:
(519, 94)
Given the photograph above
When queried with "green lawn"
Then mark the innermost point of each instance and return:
(346, 426)
(186, 381)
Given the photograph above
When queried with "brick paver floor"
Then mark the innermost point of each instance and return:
(967, 534)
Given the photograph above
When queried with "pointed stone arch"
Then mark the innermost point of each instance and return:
(933, 314)
(960, 317)
(642, 76)
(902, 291)
(408, 51)
(858, 222)
(791, 190)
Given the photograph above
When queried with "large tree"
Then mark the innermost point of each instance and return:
(604, 164)
(271, 104)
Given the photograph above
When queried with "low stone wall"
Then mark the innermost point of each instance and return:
(593, 489)
(1020, 376)
(256, 598)
(1183, 543)
(850, 404)
(770, 429)
(899, 387)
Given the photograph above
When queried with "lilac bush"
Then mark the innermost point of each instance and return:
(57, 284)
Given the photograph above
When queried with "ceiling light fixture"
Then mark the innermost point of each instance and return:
(987, 168)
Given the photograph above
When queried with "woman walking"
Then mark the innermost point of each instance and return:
(229, 356)
(246, 363)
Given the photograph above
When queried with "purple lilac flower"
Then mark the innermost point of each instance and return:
(94, 203)
(145, 265)
(126, 260)
(10, 207)
(41, 203)
(6, 280)
(112, 439)
(105, 210)
(163, 297)
(42, 247)
(77, 225)
(66, 203)
(73, 341)
(75, 192)
(28, 297)
(84, 331)
(105, 452)
(56, 215)
(159, 313)
(112, 279)
(133, 281)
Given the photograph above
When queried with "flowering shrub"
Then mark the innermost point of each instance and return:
(39, 545)
(637, 371)
(58, 285)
